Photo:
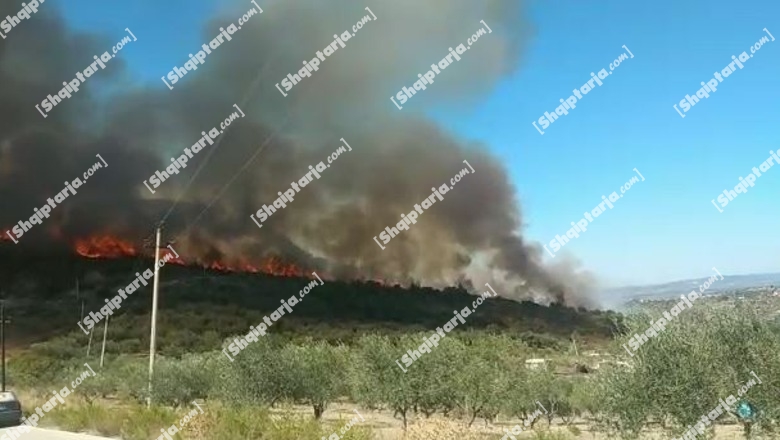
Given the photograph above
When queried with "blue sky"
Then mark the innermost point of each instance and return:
(665, 228)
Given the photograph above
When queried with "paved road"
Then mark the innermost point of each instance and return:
(48, 434)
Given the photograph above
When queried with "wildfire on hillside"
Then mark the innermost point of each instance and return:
(104, 246)
(170, 257)
(476, 233)
(108, 247)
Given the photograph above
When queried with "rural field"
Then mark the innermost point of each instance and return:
(389, 220)
(307, 378)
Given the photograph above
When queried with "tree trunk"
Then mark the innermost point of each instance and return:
(318, 410)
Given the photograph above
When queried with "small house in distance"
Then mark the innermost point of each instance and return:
(536, 364)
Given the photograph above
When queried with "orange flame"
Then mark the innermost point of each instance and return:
(276, 266)
(170, 257)
(269, 265)
(106, 246)
(4, 234)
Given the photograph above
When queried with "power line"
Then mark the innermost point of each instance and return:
(205, 161)
(236, 175)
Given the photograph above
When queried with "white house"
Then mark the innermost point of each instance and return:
(536, 364)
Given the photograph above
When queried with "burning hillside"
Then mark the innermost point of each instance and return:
(108, 247)
(473, 234)
(104, 246)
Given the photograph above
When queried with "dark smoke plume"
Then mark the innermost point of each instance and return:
(474, 234)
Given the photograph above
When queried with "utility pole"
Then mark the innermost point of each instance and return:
(574, 342)
(89, 345)
(78, 295)
(78, 299)
(2, 335)
(153, 336)
(103, 351)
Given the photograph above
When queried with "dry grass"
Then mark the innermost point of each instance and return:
(385, 427)
(296, 422)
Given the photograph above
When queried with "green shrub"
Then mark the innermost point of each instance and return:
(177, 382)
(319, 373)
(377, 381)
(133, 422)
(679, 375)
(480, 382)
(262, 373)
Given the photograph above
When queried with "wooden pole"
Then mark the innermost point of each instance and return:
(153, 336)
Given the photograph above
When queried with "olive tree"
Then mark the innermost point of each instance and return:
(482, 378)
(262, 373)
(679, 375)
(319, 373)
(377, 380)
(177, 382)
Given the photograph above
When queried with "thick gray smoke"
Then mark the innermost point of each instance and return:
(38, 155)
(398, 155)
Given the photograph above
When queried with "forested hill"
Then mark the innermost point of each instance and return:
(194, 300)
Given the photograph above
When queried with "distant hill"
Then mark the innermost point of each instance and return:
(617, 297)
